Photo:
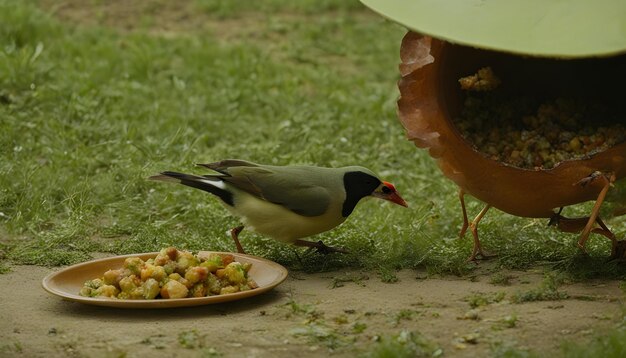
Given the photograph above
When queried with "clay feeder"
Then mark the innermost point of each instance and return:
(542, 49)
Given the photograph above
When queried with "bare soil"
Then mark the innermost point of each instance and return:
(343, 313)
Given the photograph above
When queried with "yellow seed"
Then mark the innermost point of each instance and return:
(574, 144)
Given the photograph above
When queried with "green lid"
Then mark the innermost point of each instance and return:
(547, 28)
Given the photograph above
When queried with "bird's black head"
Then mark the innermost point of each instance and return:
(358, 184)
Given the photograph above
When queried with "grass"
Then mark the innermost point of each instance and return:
(332, 334)
(547, 291)
(500, 279)
(503, 350)
(610, 345)
(476, 300)
(340, 281)
(230, 9)
(88, 112)
(404, 344)
(190, 339)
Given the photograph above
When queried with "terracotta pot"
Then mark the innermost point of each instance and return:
(431, 96)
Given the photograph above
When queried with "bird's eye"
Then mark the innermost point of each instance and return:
(386, 190)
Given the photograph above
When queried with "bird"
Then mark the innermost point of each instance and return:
(287, 203)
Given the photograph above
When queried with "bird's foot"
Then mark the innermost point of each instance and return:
(581, 247)
(618, 251)
(320, 247)
(479, 254)
(325, 250)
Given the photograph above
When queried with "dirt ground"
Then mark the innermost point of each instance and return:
(343, 313)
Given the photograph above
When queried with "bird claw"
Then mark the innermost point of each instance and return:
(479, 257)
(480, 254)
(582, 249)
(618, 252)
(323, 249)
(320, 247)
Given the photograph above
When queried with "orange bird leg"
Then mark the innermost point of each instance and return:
(478, 250)
(465, 221)
(603, 230)
(234, 233)
(584, 236)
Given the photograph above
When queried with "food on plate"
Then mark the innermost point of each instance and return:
(172, 274)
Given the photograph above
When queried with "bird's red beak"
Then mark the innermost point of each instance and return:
(390, 193)
(396, 199)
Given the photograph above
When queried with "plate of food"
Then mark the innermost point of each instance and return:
(165, 279)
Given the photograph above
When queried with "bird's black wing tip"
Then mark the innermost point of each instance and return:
(166, 176)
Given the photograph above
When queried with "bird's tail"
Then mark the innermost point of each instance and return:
(208, 183)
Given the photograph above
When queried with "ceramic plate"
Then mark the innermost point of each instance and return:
(67, 282)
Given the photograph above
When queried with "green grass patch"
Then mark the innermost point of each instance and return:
(483, 299)
(500, 279)
(338, 333)
(547, 291)
(88, 112)
(404, 315)
(405, 344)
(4, 268)
(509, 321)
(507, 350)
(340, 281)
(609, 345)
(234, 9)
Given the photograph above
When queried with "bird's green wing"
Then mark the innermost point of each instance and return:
(230, 174)
(223, 165)
(298, 189)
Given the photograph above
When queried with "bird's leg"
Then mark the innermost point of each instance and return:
(234, 233)
(473, 226)
(478, 250)
(320, 246)
(619, 251)
(604, 230)
(575, 225)
(465, 221)
(555, 219)
(609, 179)
(298, 258)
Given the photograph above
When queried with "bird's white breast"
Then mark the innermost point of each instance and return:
(282, 224)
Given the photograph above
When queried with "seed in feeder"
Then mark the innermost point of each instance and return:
(532, 133)
(483, 80)
(574, 144)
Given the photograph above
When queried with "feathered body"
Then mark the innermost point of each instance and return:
(287, 202)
